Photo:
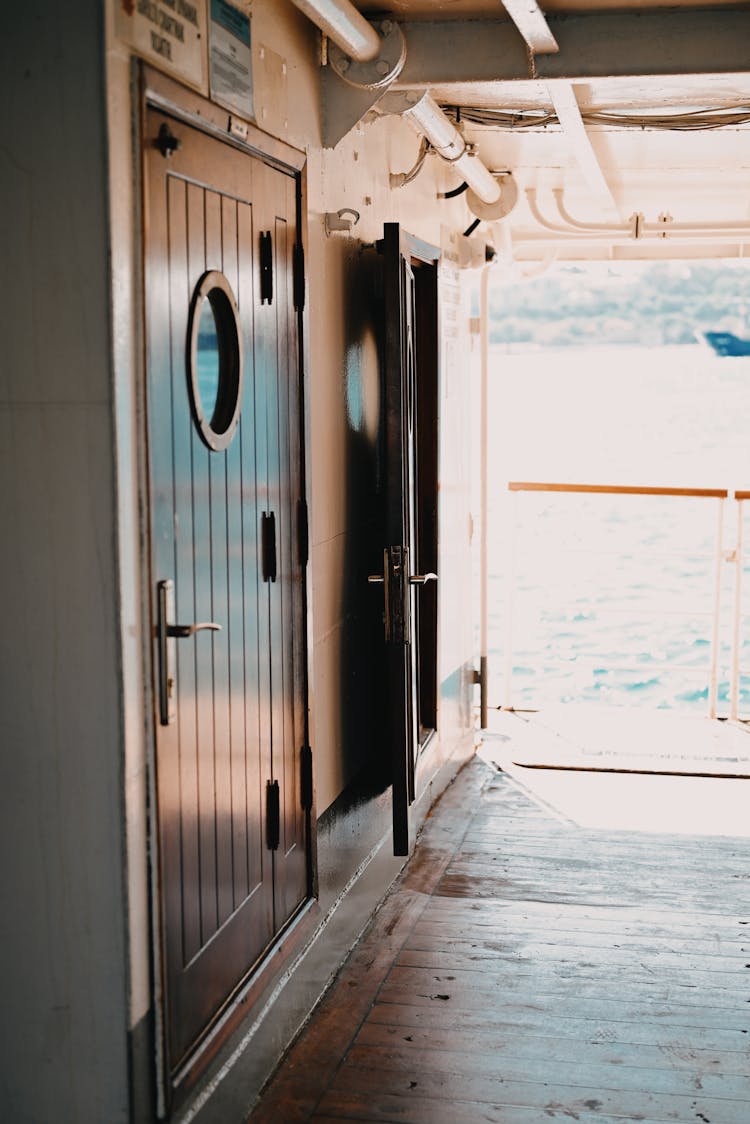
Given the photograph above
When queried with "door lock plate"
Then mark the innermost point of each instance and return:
(167, 653)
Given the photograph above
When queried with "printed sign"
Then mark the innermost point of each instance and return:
(450, 333)
(171, 34)
(230, 65)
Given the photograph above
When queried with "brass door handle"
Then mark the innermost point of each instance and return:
(422, 579)
(376, 579)
(181, 631)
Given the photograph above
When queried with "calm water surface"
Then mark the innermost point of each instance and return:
(613, 596)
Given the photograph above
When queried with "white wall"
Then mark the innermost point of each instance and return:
(62, 932)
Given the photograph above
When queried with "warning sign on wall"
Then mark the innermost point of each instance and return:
(230, 59)
(169, 33)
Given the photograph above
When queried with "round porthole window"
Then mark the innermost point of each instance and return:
(214, 360)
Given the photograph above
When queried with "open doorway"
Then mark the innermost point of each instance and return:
(617, 621)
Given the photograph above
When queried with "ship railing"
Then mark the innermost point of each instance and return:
(718, 556)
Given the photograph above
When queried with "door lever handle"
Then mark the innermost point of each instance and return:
(376, 579)
(166, 635)
(422, 579)
(181, 631)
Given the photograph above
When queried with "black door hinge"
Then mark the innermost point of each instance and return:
(273, 821)
(266, 268)
(306, 778)
(299, 277)
(303, 537)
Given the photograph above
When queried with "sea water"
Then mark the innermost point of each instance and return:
(611, 598)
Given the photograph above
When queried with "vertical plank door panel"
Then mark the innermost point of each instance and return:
(159, 404)
(221, 611)
(201, 552)
(264, 348)
(184, 576)
(278, 491)
(236, 597)
(257, 753)
(290, 860)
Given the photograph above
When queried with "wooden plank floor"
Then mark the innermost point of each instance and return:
(525, 969)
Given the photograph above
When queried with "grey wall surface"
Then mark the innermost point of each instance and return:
(63, 1017)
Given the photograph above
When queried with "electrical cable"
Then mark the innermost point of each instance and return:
(400, 179)
(693, 120)
(456, 191)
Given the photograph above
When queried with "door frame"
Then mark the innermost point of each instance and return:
(427, 455)
(403, 251)
(153, 90)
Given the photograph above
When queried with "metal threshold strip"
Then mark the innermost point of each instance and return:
(636, 772)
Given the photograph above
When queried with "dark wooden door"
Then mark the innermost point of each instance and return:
(402, 579)
(225, 482)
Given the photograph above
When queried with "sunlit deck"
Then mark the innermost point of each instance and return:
(527, 968)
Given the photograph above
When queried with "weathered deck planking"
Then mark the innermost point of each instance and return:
(524, 969)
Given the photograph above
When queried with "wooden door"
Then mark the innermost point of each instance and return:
(402, 578)
(224, 471)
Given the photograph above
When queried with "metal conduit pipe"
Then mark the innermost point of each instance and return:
(348, 28)
(623, 235)
(591, 227)
(572, 233)
(428, 118)
(695, 230)
(655, 229)
(555, 241)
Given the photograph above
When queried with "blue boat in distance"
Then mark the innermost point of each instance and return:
(727, 343)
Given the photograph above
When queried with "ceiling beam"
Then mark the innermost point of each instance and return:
(532, 24)
(569, 115)
(605, 44)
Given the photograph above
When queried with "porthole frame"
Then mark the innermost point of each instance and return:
(218, 430)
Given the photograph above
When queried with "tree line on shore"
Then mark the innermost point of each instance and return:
(638, 304)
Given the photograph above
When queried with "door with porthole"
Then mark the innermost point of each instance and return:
(227, 559)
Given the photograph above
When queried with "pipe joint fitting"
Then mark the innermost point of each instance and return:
(377, 73)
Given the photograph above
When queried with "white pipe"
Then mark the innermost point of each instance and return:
(695, 230)
(594, 240)
(622, 236)
(341, 21)
(591, 227)
(598, 236)
(445, 138)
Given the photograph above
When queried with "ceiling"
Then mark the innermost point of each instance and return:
(471, 9)
(632, 59)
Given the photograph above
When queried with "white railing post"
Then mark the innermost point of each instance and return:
(713, 683)
(509, 602)
(484, 327)
(734, 693)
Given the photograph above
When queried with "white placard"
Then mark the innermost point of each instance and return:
(171, 34)
(230, 59)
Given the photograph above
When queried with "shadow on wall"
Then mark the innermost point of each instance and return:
(364, 746)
